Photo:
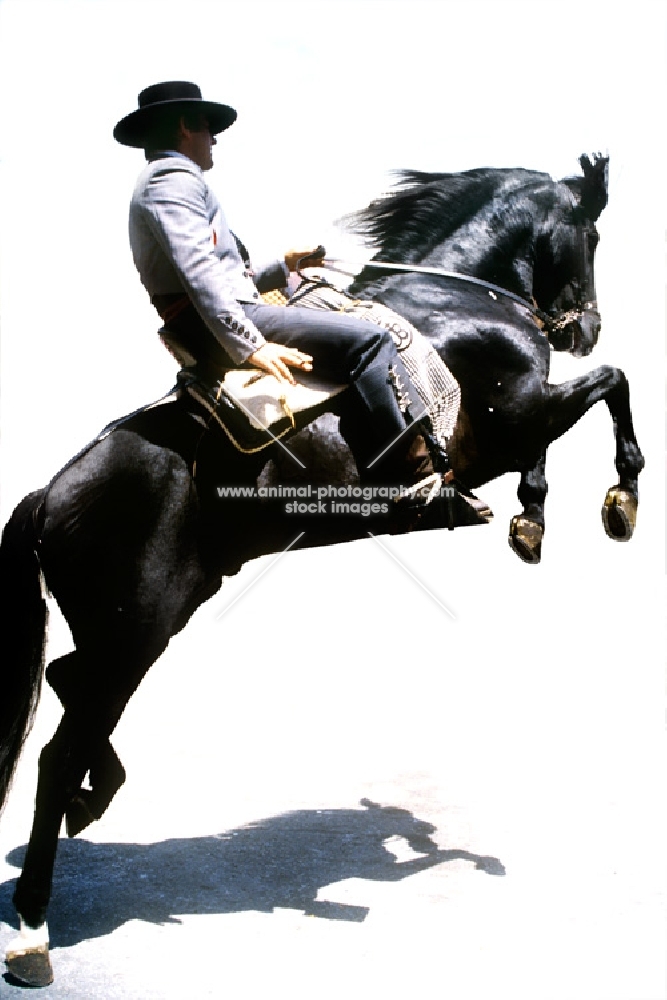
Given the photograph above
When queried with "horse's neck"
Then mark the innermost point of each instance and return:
(492, 246)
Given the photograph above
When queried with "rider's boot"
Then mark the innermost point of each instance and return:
(432, 498)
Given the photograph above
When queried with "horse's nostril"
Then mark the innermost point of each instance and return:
(594, 326)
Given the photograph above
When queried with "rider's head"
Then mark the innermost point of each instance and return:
(186, 131)
(173, 116)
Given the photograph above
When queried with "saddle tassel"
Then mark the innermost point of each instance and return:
(288, 412)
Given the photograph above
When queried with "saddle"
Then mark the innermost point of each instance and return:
(255, 409)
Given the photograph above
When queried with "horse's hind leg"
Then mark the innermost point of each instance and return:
(106, 773)
(105, 680)
(62, 766)
(106, 777)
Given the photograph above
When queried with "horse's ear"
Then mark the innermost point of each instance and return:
(595, 184)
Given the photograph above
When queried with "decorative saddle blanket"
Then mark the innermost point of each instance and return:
(255, 409)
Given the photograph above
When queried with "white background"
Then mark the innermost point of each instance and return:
(551, 675)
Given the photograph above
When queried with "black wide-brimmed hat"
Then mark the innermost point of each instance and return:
(154, 101)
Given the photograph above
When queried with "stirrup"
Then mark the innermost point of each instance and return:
(412, 511)
(480, 507)
(410, 506)
(434, 481)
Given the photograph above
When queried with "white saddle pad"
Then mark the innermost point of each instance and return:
(254, 409)
(267, 402)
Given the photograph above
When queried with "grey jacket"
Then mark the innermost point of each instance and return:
(181, 243)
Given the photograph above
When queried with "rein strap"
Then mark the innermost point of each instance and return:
(549, 322)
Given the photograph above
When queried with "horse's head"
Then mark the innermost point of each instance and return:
(391, 821)
(564, 284)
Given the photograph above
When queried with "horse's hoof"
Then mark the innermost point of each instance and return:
(492, 866)
(32, 966)
(27, 955)
(78, 815)
(619, 514)
(525, 539)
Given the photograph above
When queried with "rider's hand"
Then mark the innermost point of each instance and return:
(274, 359)
(292, 257)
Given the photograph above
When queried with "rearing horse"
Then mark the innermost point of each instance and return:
(131, 536)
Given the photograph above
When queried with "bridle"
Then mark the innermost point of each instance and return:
(549, 324)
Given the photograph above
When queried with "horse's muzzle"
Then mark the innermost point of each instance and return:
(576, 331)
(586, 333)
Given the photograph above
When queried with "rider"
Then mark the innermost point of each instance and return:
(193, 268)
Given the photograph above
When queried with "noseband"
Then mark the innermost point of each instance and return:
(549, 324)
(558, 323)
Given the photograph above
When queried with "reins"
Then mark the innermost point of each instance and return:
(550, 324)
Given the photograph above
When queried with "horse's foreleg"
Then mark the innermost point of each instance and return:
(568, 402)
(527, 528)
(619, 510)
(564, 406)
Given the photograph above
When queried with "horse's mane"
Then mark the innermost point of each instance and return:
(431, 204)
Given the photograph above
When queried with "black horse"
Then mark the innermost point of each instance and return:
(132, 536)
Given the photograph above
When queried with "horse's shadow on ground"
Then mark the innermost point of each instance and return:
(279, 862)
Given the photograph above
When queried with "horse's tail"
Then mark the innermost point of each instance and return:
(23, 614)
